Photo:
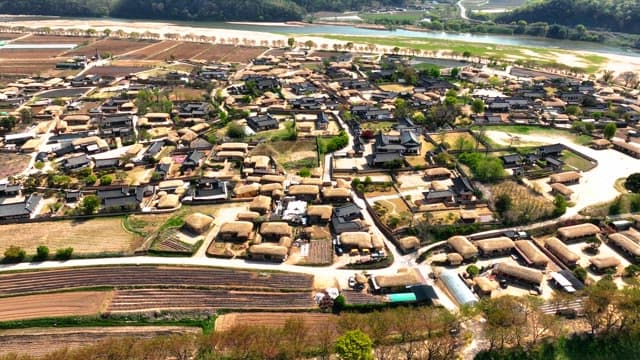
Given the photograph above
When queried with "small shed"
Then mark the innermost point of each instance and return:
(408, 244)
(240, 231)
(463, 246)
(578, 232)
(260, 204)
(561, 251)
(273, 231)
(603, 263)
(531, 254)
(197, 223)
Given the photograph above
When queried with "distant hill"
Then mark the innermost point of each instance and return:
(215, 10)
(610, 15)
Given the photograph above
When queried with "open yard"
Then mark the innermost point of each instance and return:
(574, 161)
(41, 341)
(291, 154)
(271, 319)
(52, 305)
(13, 164)
(94, 236)
(531, 135)
(527, 206)
(393, 212)
(396, 87)
(458, 141)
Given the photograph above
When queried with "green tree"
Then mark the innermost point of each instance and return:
(42, 253)
(473, 270)
(64, 254)
(455, 72)
(235, 131)
(503, 203)
(90, 180)
(610, 130)
(291, 41)
(560, 204)
(90, 204)
(304, 172)
(354, 345)
(633, 183)
(14, 254)
(477, 106)
(580, 273)
(26, 115)
(106, 180)
(8, 123)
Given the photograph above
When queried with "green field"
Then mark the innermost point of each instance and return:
(528, 56)
(406, 17)
(574, 162)
(531, 130)
(492, 4)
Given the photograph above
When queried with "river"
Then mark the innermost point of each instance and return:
(317, 29)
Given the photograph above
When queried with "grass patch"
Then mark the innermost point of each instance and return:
(378, 125)
(623, 204)
(574, 161)
(117, 320)
(400, 18)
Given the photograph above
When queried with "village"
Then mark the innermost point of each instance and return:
(389, 178)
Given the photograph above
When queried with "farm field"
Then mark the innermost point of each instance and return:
(270, 319)
(230, 53)
(100, 235)
(113, 46)
(181, 51)
(53, 39)
(291, 154)
(30, 54)
(5, 36)
(138, 300)
(148, 276)
(152, 50)
(115, 71)
(41, 341)
(52, 305)
(526, 204)
(12, 164)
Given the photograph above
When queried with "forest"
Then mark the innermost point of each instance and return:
(607, 15)
(213, 10)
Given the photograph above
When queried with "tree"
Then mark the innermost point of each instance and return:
(354, 345)
(455, 72)
(473, 270)
(235, 131)
(560, 204)
(90, 204)
(14, 254)
(291, 41)
(477, 106)
(64, 254)
(633, 183)
(42, 253)
(106, 180)
(630, 79)
(610, 130)
(26, 115)
(304, 172)
(8, 123)
(503, 203)
(90, 180)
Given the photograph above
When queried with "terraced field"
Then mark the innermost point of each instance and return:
(148, 276)
(138, 300)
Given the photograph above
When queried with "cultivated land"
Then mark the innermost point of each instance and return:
(41, 341)
(270, 319)
(13, 164)
(94, 236)
(52, 305)
(114, 47)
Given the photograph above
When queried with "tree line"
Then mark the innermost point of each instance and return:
(216, 10)
(619, 15)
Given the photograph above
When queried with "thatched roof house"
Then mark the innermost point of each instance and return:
(311, 181)
(266, 179)
(602, 263)
(437, 173)
(625, 244)
(531, 253)
(303, 190)
(220, 155)
(336, 194)
(170, 201)
(600, 144)
(319, 213)
(257, 161)
(356, 240)
(275, 230)
(463, 246)
(494, 246)
(484, 286)
(197, 223)
(565, 177)
(562, 189)
(409, 243)
(401, 280)
(268, 252)
(577, 232)
(260, 204)
(518, 272)
(561, 251)
(377, 242)
(454, 259)
(247, 216)
(245, 191)
(268, 189)
(236, 230)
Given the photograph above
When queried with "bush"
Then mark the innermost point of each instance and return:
(304, 172)
(14, 254)
(484, 168)
(106, 180)
(64, 254)
(42, 253)
(90, 180)
(39, 165)
(235, 131)
(473, 270)
(633, 183)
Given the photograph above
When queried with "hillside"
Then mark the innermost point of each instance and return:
(609, 15)
(216, 10)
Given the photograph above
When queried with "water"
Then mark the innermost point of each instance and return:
(310, 29)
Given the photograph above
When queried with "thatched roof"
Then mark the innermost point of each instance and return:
(268, 188)
(311, 181)
(197, 223)
(495, 244)
(344, 184)
(170, 184)
(469, 215)
(260, 202)
(454, 258)
(170, 201)
(401, 279)
(272, 179)
(463, 246)
(578, 231)
(336, 193)
(230, 154)
(377, 242)
(247, 216)
(568, 176)
(520, 272)
(485, 284)
(246, 189)
(604, 262)
(198, 128)
(239, 228)
(437, 172)
(269, 250)
(303, 190)
(77, 118)
(409, 243)
(531, 251)
(438, 186)
(561, 189)
(632, 234)
(322, 211)
(361, 240)
(275, 228)
(625, 243)
(188, 135)
(252, 179)
(601, 142)
(233, 147)
(259, 161)
(285, 241)
(629, 146)
(559, 249)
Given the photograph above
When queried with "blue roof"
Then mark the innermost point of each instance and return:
(457, 288)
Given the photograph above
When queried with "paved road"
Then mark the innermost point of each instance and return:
(463, 11)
